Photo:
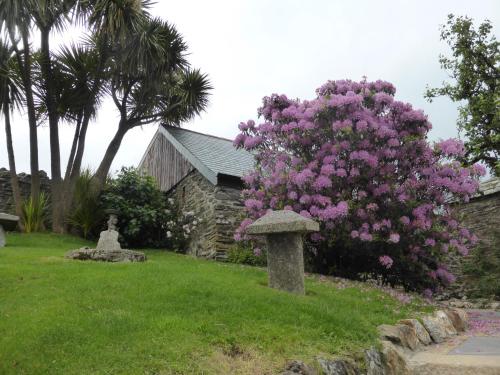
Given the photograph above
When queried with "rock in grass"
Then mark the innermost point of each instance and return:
(421, 332)
(121, 255)
(298, 367)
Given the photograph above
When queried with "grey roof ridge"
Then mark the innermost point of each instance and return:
(195, 132)
(197, 163)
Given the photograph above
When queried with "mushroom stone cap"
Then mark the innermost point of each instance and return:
(285, 221)
(9, 222)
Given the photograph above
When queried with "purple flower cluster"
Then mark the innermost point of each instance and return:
(357, 161)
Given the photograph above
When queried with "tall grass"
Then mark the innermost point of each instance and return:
(35, 213)
(87, 213)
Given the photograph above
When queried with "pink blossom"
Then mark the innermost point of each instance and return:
(394, 238)
(386, 261)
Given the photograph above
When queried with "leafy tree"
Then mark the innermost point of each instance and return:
(136, 59)
(474, 68)
(358, 162)
(15, 19)
(10, 98)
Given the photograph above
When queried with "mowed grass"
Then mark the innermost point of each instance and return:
(171, 315)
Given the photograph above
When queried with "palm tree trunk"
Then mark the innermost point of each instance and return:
(72, 153)
(14, 181)
(113, 147)
(55, 153)
(74, 171)
(24, 63)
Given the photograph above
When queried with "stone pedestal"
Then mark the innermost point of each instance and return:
(7, 222)
(2, 237)
(285, 262)
(284, 232)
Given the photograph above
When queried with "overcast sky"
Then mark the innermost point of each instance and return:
(254, 48)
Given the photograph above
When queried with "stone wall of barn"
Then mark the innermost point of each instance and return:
(6, 197)
(219, 207)
(481, 215)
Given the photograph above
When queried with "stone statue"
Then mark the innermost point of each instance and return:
(108, 239)
(108, 248)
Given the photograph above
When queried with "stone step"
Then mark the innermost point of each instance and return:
(445, 364)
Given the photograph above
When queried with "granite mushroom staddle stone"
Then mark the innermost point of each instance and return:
(7, 222)
(284, 232)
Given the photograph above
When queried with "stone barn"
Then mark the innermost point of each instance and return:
(203, 173)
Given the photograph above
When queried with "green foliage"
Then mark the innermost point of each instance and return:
(243, 253)
(87, 214)
(35, 213)
(483, 269)
(475, 69)
(141, 207)
(70, 317)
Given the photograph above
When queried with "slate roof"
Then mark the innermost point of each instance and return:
(212, 156)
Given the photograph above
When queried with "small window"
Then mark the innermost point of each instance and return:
(183, 197)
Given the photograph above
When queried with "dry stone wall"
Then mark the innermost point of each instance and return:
(220, 209)
(6, 197)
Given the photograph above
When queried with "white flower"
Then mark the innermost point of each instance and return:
(195, 222)
(170, 200)
(169, 234)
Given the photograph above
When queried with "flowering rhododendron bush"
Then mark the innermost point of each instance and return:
(359, 163)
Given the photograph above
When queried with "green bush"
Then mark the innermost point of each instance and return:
(87, 215)
(35, 213)
(483, 270)
(146, 217)
(243, 253)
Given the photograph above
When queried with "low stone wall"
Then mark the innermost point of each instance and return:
(6, 197)
(219, 207)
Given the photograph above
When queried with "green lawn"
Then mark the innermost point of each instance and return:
(171, 315)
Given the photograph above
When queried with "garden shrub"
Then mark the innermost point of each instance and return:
(359, 163)
(87, 215)
(146, 217)
(35, 213)
(244, 253)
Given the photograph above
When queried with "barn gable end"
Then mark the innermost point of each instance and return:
(203, 173)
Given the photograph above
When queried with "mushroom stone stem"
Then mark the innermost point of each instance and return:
(285, 262)
(2, 236)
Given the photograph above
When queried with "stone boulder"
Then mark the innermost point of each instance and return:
(400, 334)
(439, 326)
(374, 362)
(446, 322)
(299, 367)
(338, 367)
(458, 319)
(421, 332)
(394, 360)
(121, 255)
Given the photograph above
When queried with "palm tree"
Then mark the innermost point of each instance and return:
(10, 97)
(15, 20)
(151, 81)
